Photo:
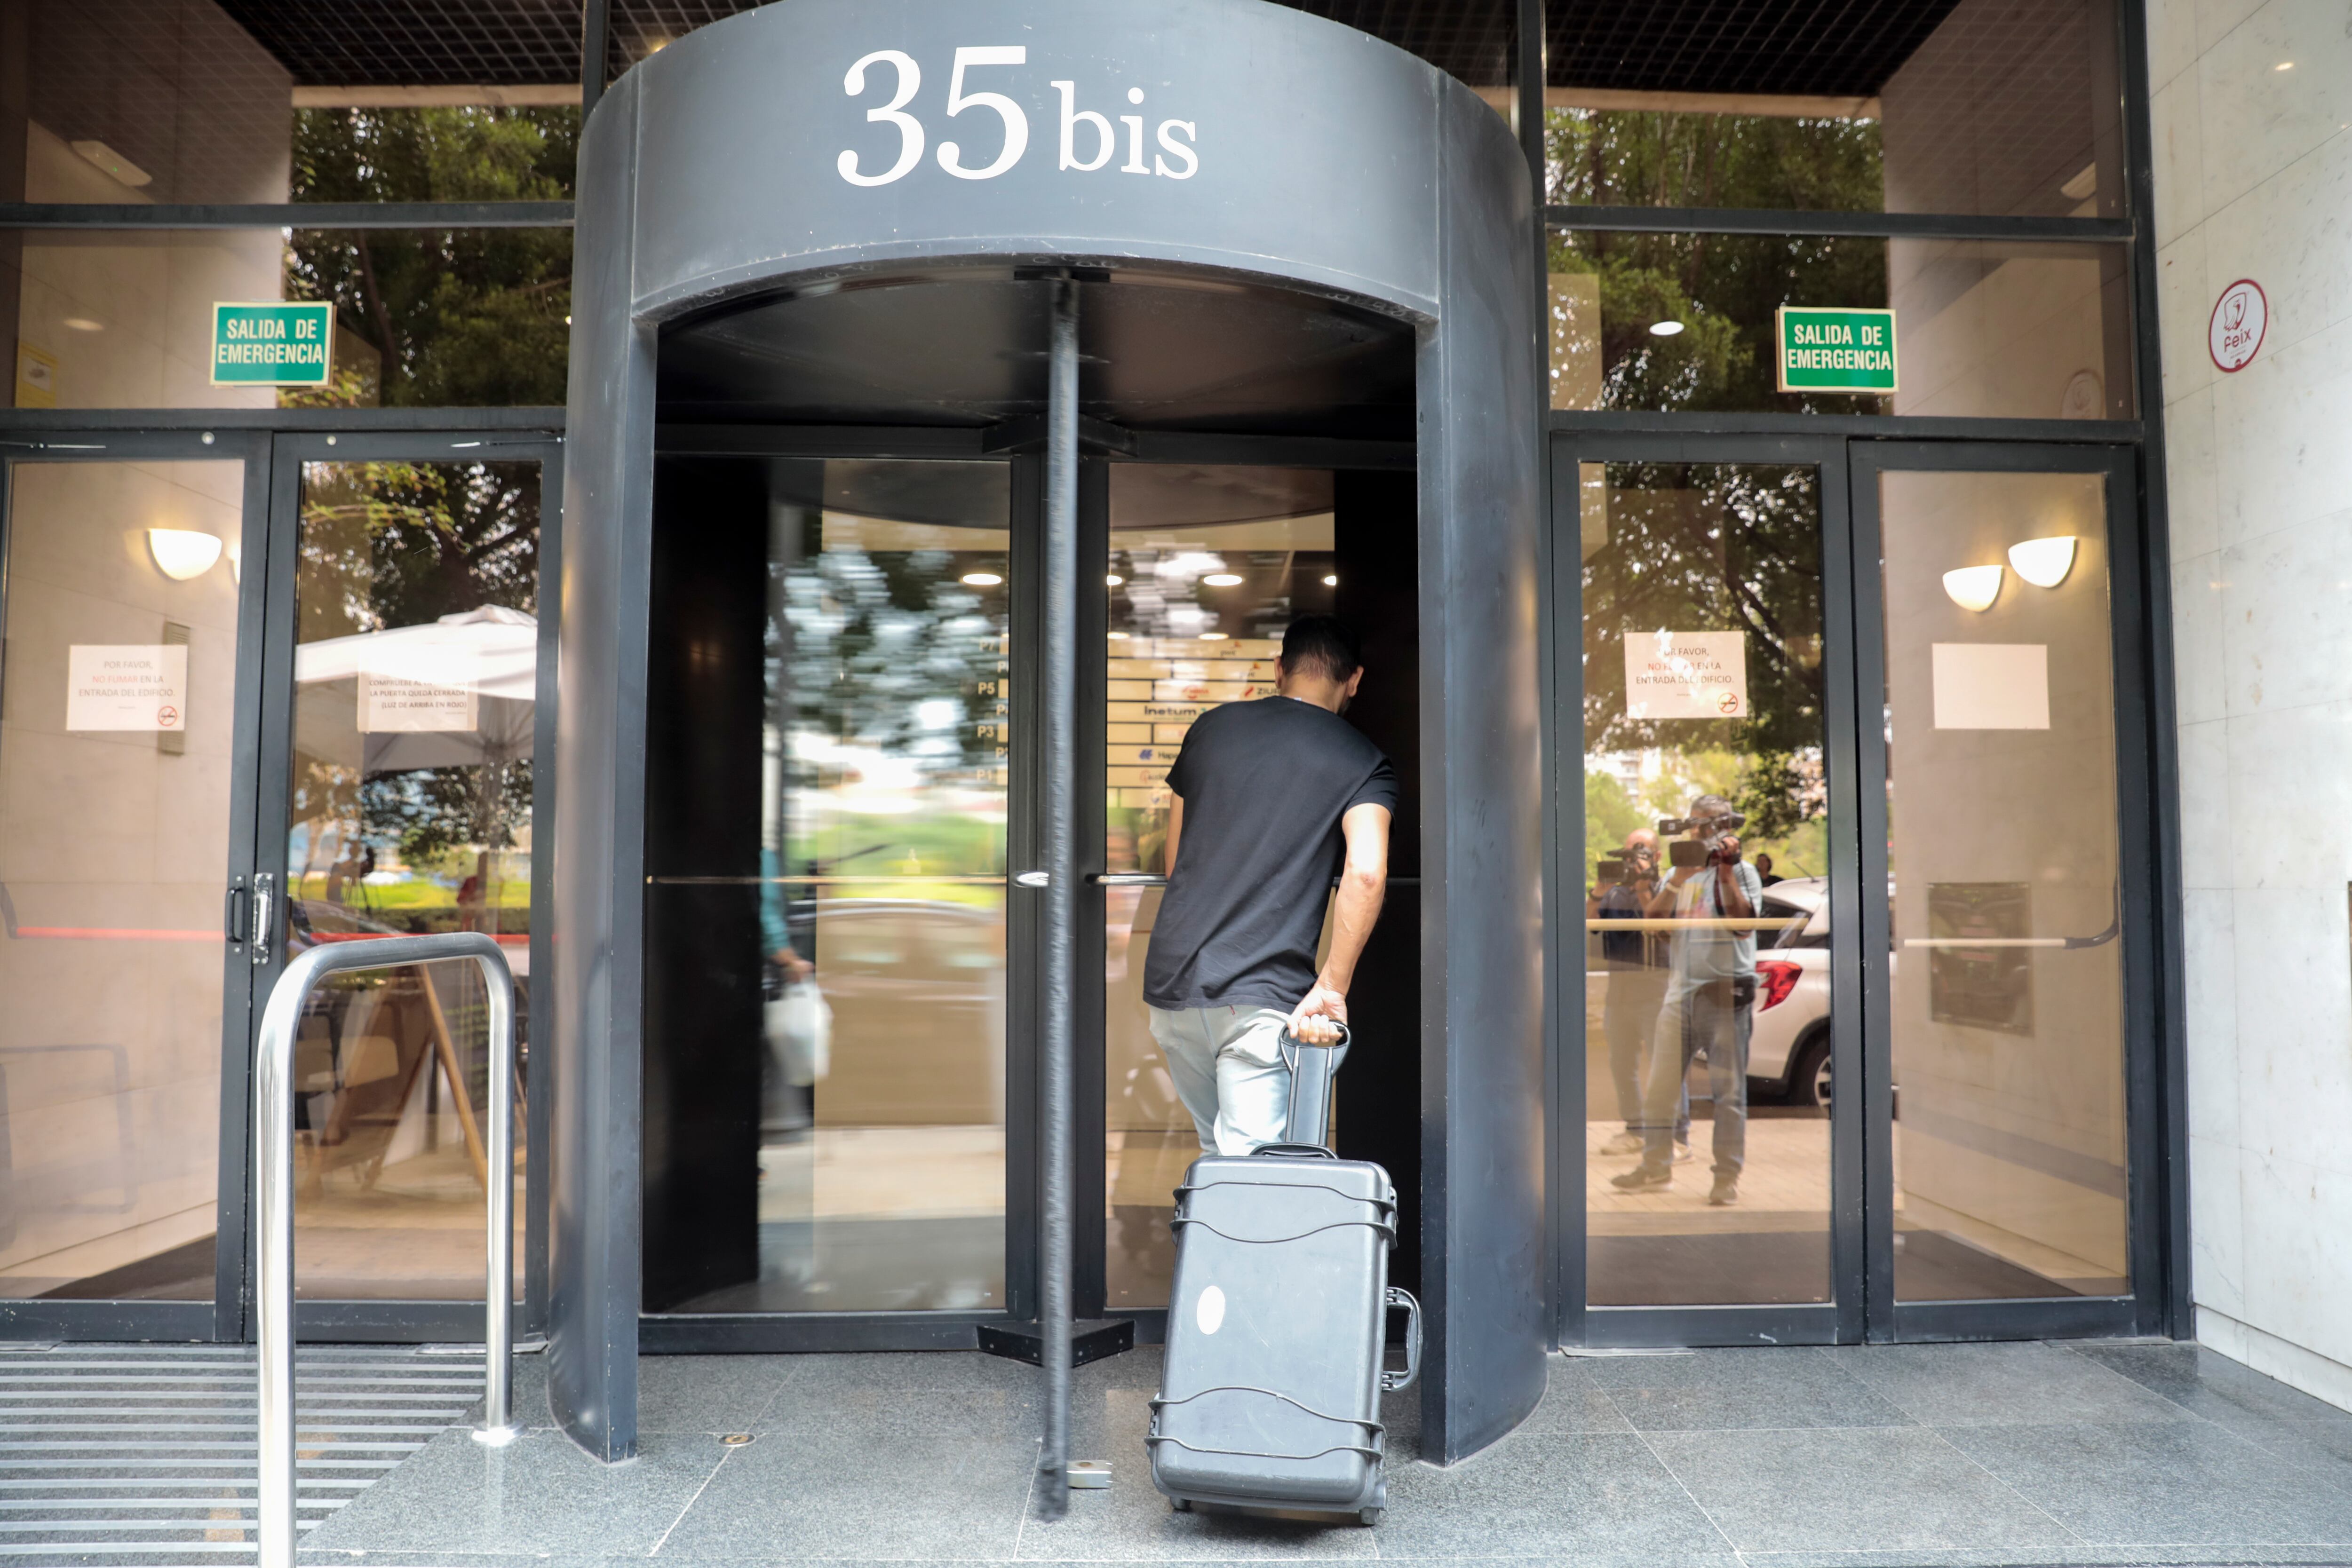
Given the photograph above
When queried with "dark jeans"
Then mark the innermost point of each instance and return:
(1629, 1017)
(1712, 1017)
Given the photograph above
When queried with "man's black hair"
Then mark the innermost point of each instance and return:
(1322, 642)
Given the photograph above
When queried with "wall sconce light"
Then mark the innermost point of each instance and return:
(182, 553)
(1973, 587)
(2043, 562)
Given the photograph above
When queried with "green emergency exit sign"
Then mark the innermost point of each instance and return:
(1836, 351)
(272, 345)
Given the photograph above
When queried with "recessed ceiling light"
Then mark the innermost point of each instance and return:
(84, 324)
(2283, 66)
(1224, 580)
(2043, 562)
(1112, 579)
(182, 553)
(979, 579)
(1213, 636)
(1331, 580)
(1665, 328)
(1974, 587)
(1118, 636)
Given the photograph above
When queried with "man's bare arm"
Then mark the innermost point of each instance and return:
(1363, 884)
(1175, 831)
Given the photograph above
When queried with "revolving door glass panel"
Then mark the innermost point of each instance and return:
(826, 1091)
(1207, 566)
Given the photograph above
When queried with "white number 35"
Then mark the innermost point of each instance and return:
(910, 130)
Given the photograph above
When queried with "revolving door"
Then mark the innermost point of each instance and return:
(913, 512)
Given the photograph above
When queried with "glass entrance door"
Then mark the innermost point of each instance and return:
(408, 699)
(1712, 876)
(1861, 924)
(2000, 650)
(125, 878)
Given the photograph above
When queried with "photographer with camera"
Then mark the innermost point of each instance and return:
(1635, 989)
(1710, 995)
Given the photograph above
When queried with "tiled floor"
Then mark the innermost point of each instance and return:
(1967, 1455)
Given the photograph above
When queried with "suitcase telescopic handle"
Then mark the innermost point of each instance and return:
(1291, 1042)
(1392, 1381)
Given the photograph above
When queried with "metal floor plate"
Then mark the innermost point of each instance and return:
(145, 1453)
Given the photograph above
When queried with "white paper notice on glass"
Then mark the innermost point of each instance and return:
(421, 688)
(1991, 685)
(1685, 674)
(127, 686)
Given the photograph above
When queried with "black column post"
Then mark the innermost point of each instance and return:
(1060, 868)
(595, 31)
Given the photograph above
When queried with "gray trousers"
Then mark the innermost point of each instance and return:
(1629, 1019)
(1701, 1017)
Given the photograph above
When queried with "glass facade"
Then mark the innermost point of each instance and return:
(1986, 109)
(424, 318)
(864, 1152)
(1686, 323)
(165, 102)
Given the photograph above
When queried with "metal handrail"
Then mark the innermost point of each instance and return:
(273, 1188)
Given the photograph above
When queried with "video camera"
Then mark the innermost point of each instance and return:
(1709, 827)
(1689, 853)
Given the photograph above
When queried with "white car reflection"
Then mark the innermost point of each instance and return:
(1788, 1047)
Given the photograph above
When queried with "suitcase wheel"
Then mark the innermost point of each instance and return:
(1180, 1505)
(1368, 1515)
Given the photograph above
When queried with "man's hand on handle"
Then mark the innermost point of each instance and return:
(1312, 1021)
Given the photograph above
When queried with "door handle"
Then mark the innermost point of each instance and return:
(233, 913)
(264, 910)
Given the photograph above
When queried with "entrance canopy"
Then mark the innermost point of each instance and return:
(843, 213)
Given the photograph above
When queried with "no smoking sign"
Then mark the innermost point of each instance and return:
(2240, 317)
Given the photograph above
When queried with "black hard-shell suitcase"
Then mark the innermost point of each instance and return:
(1270, 1395)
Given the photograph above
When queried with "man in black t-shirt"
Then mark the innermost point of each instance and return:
(1274, 798)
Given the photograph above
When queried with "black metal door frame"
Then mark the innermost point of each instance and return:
(66, 439)
(1850, 454)
(392, 1320)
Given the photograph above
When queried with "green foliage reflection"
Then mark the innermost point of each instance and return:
(465, 317)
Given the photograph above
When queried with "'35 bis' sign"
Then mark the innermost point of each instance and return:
(1083, 131)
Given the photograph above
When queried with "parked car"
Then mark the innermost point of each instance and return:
(1789, 1045)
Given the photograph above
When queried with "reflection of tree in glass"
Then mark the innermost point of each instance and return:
(1717, 546)
(890, 653)
(477, 317)
(1723, 288)
(388, 545)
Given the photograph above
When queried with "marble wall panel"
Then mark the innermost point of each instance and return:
(2286, 622)
(2253, 179)
(2270, 89)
